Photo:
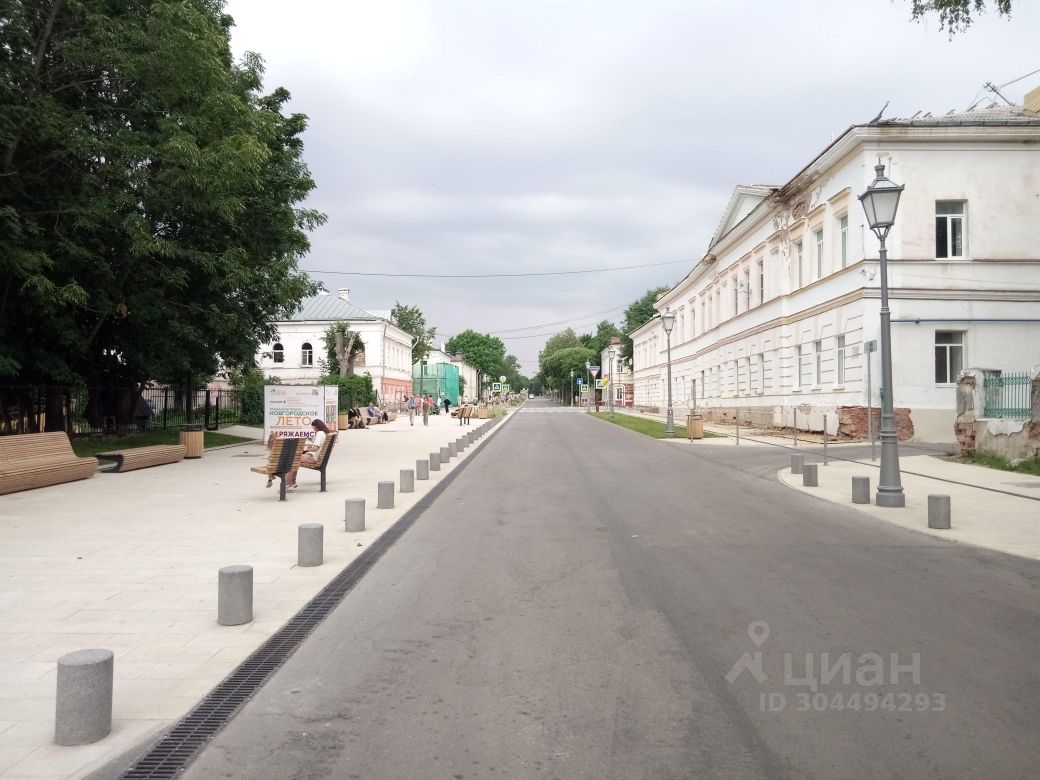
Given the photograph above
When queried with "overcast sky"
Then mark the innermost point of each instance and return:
(483, 136)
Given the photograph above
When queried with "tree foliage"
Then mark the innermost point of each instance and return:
(342, 346)
(354, 390)
(560, 364)
(556, 342)
(484, 352)
(149, 194)
(637, 314)
(956, 15)
(411, 320)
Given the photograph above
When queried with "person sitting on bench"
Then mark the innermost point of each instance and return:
(311, 446)
(354, 419)
(377, 414)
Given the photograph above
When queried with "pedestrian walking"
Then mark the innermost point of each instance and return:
(409, 404)
(447, 406)
(427, 402)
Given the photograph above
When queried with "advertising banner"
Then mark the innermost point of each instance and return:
(289, 409)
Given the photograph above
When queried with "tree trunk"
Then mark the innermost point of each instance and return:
(55, 409)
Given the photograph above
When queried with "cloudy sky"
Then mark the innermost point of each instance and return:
(498, 136)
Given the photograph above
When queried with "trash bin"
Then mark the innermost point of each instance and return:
(694, 426)
(342, 421)
(191, 438)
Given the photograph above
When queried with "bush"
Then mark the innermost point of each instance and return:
(354, 391)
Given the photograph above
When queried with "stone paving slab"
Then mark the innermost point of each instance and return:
(129, 562)
(997, 521)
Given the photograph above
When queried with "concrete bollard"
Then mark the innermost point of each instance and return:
(407, 481)
(422, 469)
(453, 450)
(435, 461)
(809, 476)
(861, 490)
(83, 706)
(310, 539)
(354, 515)
(939, 512)
(797, 464)
(461, 444)
(235, 595)
(385, 496)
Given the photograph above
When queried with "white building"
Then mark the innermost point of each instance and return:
(619, 375)
(778, 313)
(294, 355)
(467, 373)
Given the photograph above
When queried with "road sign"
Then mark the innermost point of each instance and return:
(496, 387)
(594, 370)
(506, 387)
(584, 390)
(870, 346)
(601, 384)
(580, 381)
(502, 378)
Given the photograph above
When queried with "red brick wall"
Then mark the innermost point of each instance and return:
(852, 422)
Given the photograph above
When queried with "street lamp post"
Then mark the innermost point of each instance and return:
(570, 391)
(611, 351)
(668, 319)
(588, 378)
(880, 202)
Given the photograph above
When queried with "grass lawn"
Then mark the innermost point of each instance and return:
(90, 445)
(647, 427)
(1031, 466)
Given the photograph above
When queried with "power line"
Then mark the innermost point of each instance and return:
(560, 322)
(500, 276)
(1019, 79)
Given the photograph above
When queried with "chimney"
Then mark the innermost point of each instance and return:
(1031, 102)
(344, 294)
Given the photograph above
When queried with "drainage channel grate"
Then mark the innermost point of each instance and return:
(168, 757)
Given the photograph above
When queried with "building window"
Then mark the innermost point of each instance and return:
(798, 351)
(819, 364)
(704, 315)
(718, 308)
(747, 288)
(949, 229)
(839, 356)
(798, 253)
(307, 354)
(278, 353)
(761, 281)
(843, 229)
(736, 297)
(949, 356)
(819, 253)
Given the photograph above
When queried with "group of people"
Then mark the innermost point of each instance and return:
(425, 405)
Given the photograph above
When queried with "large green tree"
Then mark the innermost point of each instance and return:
(637, 314)
(956, 15)
(411, 320)
(483, 351)
(150, 219)
(560, 364)
(556, 342)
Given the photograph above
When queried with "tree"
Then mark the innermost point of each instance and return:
(955, 15)
(149, 219)
(562, 340)
(484, 352)
(411, 320)
(638, 313)
(600, 340)
(562, 362)
(342, 346)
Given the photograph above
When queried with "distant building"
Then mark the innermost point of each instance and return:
(443, 371)
(619, 375)
(779, 314)
(295, 354)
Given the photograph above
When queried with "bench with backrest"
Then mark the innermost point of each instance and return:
(284, 456)
(143, 457)
(32, 460)
(322, 456)
(468, 415)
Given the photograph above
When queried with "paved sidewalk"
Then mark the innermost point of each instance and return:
(995, 520)
(129, 562)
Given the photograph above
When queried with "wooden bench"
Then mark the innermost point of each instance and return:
(322, 455)
(33, 460)
(284, 457)
(468, 415)
(143, 457)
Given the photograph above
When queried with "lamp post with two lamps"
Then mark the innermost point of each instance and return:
(880, 202)
(611, 352)
(668, 320)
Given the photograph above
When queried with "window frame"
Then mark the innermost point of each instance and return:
(818, 372)
(949, 219)
(818, 236)
(948, 348)
(306, 355)
(843, 232)
(761, 281)
(839, 357)
(278, 353)
(799, 249)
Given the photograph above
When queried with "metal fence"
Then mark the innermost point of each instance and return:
(1008, 395)
(117, 410)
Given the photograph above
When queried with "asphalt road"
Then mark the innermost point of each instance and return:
(571, 607)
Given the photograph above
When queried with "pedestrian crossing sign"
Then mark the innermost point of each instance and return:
(496, 387)
(602, 383)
